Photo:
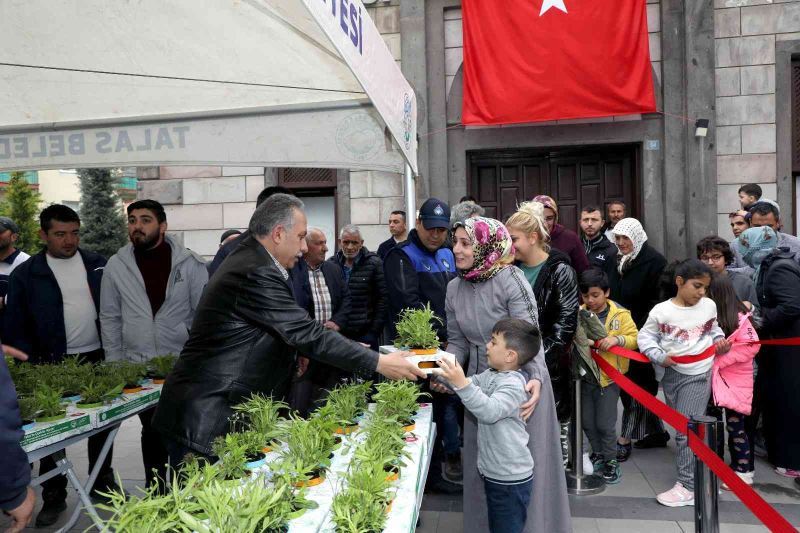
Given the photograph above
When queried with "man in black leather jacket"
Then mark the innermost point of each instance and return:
(246, 333)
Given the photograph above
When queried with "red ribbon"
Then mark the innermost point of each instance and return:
(763, 510)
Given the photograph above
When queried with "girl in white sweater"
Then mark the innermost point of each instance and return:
(684, 325)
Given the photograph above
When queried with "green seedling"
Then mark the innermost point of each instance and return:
(48, 401)
(162, 365)
(263, 415)
(357, 511)
(100, 389)
(415, 329)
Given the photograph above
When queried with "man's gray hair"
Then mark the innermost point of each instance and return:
(313, 230)
(350, 229)
(277, 210)
(465, 210)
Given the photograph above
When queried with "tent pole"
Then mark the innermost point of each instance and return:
(411, 194)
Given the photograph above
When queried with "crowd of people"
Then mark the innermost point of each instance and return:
(273, 313)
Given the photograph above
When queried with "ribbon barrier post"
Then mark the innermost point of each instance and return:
(771, 518)
(706, 485)
(577, 482)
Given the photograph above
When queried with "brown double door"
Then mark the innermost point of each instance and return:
(501, 179)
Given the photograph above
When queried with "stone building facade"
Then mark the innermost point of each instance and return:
(729, 61)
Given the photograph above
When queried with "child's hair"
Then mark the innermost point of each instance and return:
(520, 336)
(594, 277)
(728, 304)
(693, 269)
(751, 189)
(529, 218)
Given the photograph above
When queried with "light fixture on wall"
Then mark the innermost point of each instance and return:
(701, 127)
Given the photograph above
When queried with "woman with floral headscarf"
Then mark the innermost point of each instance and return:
(634, 280)
(488, 289)
(777, 277)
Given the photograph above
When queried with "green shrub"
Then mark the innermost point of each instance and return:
(357, 511)
(101, 389)
(415, 329)
(397, 399)
(48, 401)
(161, 365)
(263, 415)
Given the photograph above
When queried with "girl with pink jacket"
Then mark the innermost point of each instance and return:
(732, 374)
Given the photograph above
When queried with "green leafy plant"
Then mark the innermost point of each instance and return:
(358, 511)
(397, 399)
(28, 408)
(252, 508)
(262, 414)
(415, 329)
(24, 377)
(130, 373)
(100, 389)
(161, 365)
(150, 512)
(345, 403)
(48, 401)
(384, 445)
(233, 451)
(372, 479)
(309, 445)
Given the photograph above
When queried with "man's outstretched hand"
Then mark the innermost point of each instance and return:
(19, 355)
(395, 366)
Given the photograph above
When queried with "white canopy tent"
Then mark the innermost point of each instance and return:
(275, 83)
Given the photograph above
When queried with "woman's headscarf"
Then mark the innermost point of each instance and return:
(491, 245)
(632, 229)
(755, 244)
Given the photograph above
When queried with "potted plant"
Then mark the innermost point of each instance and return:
(358, 511)
(372, 479)
(308, 452)
(28, 409)
(399, 400)
(24, 376)
(98, 391)
(262, 415)
(253, 507)
(344, 405)
(239, 454)
(130, 373)
(48, 404)
(384, 447)
(161, 365)
(415, 331)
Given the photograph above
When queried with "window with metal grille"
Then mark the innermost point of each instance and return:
(302, 178)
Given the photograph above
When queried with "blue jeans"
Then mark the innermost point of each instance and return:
(507, 505)
(445, 414)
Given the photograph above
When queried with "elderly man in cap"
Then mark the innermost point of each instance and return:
(10, 258)
(417, 272)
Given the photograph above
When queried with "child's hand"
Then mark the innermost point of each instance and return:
(452, 372)
(723, 346)
(668, 362)
(607, 343)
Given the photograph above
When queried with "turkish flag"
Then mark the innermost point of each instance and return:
(536, 60)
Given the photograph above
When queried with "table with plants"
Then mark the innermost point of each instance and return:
(357, 464)
(65, 403)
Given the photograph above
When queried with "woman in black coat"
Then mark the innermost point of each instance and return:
(778, 378)
(634, 279)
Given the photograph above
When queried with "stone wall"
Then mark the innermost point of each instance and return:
(746, 32)
(202, 202)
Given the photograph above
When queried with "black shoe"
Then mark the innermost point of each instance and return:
(623, 452)
(657, 440)
(98, 493)
(611, 472)
(597, 462)
(50, 513)
(442, 486)
(452, 470)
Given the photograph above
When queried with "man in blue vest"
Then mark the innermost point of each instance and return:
(417, 272)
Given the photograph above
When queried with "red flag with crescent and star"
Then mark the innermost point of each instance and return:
(539, 60)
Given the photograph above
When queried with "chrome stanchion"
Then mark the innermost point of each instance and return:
(577, 482)
(706, 484)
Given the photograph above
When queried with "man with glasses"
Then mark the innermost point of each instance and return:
(716, 253)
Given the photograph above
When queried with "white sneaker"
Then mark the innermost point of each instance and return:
(677, 496)
(747, 477)
(588, 469)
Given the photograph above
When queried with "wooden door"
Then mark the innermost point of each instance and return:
(499, 180)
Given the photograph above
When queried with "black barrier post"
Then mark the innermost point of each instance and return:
(706, 484)
(578, 483)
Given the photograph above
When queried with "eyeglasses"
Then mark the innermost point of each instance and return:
(714, 258)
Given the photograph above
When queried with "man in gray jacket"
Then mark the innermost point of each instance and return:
(148, 297)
